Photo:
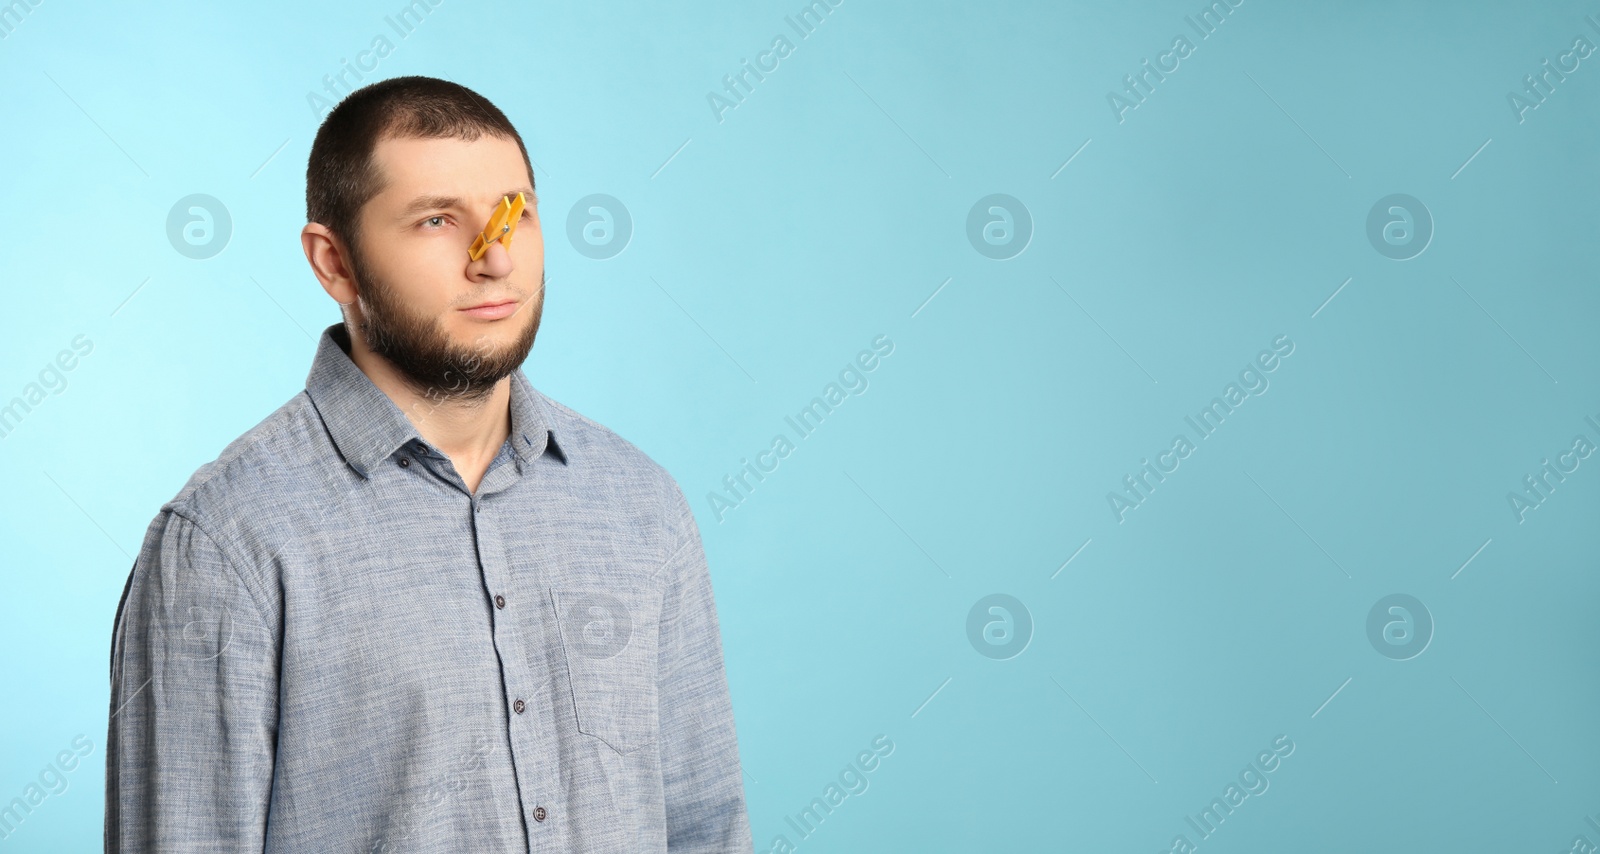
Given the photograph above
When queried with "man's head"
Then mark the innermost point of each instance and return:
(403, 175)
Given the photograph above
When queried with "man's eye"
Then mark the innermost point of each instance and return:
(432, 218)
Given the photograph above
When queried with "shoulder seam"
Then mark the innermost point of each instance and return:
(675, 498)
(225, 545)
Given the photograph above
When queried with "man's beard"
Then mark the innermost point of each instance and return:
(421, 350)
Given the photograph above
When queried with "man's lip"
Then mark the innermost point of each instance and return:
(488, 304)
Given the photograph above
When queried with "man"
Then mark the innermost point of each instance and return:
(422, 606)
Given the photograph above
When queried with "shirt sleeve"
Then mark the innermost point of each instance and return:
(701, 775)
(194, 702)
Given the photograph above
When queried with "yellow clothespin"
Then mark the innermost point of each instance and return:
(501, 226)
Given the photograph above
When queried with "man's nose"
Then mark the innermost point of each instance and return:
(496, 261)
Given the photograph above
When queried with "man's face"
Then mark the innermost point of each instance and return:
(415, 281)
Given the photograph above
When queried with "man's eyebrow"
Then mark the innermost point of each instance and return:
(425, 203)
(429, 203)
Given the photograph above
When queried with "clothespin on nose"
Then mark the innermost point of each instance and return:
(502, 224)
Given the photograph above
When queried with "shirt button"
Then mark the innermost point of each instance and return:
(404, 461)
(518, 706)
(499, 601)
(538, 813)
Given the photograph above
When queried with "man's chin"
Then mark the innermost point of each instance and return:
(491, 346)
(495, 354)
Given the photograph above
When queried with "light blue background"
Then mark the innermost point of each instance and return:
(826, 210)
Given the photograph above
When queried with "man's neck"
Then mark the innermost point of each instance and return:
(469, 432)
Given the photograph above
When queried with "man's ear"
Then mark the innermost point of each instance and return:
(330, 261)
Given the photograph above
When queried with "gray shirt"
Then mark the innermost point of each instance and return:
(328, 643)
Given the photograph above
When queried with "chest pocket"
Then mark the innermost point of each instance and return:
(608, 637)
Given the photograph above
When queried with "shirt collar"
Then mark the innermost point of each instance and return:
(368, 427)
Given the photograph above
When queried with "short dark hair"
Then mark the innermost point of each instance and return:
(340, 174)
